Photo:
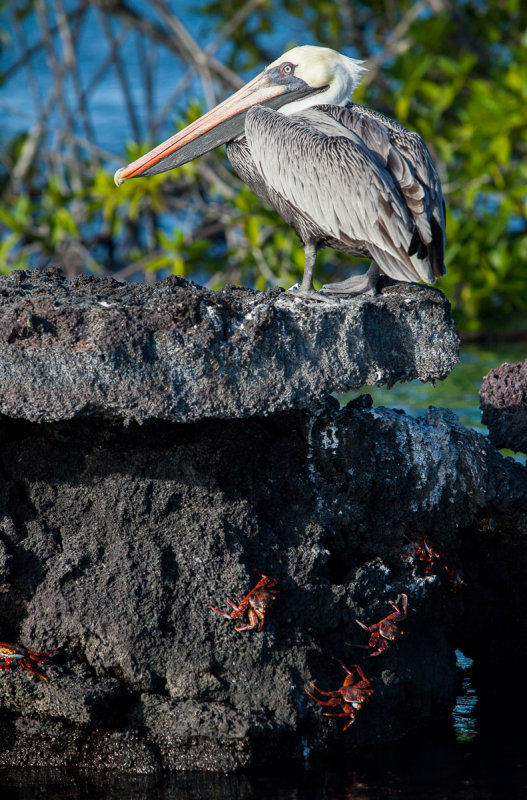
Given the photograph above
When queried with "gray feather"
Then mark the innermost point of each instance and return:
(328, 172)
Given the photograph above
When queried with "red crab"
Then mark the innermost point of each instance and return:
(351, 697)
(498, 523)
(385, 632)
(424, 548)
(433, 556)
(255, 603)
(11, 654)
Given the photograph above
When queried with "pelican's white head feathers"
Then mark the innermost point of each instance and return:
(321, 66)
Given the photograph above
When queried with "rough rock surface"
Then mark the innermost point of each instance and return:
(114, 542)
(503, 400)
(179, 352)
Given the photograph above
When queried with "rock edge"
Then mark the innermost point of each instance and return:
(180, 352)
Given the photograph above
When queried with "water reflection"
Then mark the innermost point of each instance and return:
(463, 713)
(434, 765)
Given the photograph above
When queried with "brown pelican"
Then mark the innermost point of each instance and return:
(341, 175)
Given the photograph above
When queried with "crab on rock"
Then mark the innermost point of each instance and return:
(434, 558)
(18, 654)
(424, 548)
(351, 697)
(255, 603)
(385, 632)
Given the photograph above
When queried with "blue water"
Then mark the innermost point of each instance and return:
(459, 390)
(463, 715)
(111, 124)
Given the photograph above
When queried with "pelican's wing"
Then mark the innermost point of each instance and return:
(330, 175)
(406, 156)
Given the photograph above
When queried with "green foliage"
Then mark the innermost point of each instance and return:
(458, 78)
(478, 128)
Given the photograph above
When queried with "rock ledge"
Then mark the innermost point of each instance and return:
(182, 353)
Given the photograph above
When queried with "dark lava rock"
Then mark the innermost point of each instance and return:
(114, 542)
(182, 353)
(503, 400)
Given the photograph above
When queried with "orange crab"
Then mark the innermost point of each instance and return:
(385, 632)
(18, 654)
(434, 557)
(424, 548)
(351, 697)
(255, 603)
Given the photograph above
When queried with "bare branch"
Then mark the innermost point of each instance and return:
(31, 52)
(58, 72)
(123, 80)
(148, 56)
(22, 43)
(158, 34)
(70, 64)
(396, 42)
(107, 63)
(235, 22)
(194, 53)
(181, 87)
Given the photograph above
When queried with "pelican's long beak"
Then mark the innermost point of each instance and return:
(223, 123)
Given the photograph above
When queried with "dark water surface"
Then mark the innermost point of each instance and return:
(433, 767)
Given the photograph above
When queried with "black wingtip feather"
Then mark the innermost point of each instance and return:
(437, 249)
(415, 243)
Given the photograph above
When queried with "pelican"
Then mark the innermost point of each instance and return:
(340, 174)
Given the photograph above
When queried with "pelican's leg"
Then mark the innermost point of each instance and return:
(306, 289)
(357, 284)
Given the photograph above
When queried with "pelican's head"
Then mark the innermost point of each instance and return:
(332, 76)
(302, 77)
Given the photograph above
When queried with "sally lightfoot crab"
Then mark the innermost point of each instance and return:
(433, 556)
(18, 654)
(255, 603)
(351, 697)
(385, 632)
(423, 548)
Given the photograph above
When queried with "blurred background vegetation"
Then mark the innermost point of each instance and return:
(88, 86)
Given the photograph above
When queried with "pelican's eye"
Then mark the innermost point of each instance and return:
(287, 68)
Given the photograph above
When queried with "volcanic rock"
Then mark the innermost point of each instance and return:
(116, 541)
(503, 400)
(116, 537)
(182, 353)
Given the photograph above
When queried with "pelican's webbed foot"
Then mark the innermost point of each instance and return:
(306, 290)
(309, 294)
(356, 284)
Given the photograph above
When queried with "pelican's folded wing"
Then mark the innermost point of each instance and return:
(406, 156)
(332, 176)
